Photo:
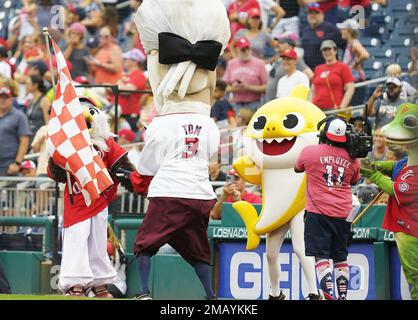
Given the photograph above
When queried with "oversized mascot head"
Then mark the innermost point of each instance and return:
(97, 122)
(281, 128)
(183, 40)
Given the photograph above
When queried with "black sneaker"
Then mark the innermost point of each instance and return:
(281, 296)
(142, 296)
(313, 296)
(211, 298)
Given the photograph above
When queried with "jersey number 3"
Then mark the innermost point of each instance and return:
(191, 148)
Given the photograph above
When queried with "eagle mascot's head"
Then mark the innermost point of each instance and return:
(97, 123)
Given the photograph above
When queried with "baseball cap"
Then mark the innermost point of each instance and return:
(242, 42)
(315, 7)
(254, 12)
(78, 11)
(289, 54)
(349, 24)
(40, 65)
(78, 27)
(4, 91)
(81, 80)
(127, 134)
(289, 37)
(134, 54)
(335, 130)
(27, 164)
(395, 81)
(327, 44)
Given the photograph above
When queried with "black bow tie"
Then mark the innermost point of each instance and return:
(175, 49)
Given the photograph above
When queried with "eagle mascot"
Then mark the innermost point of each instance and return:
(85, 263)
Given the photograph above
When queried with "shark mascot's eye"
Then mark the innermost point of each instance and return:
(410, 121)
(93, 111)
(260, 123)
(293, 122)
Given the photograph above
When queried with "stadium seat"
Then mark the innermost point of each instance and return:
(400, 41)
(402, 6)
(378, 10)
(370, 42)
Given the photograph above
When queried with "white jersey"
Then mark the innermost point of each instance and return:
(177, 151)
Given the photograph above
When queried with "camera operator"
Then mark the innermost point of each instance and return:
(233, 190)
(330, 170)
(384, 102)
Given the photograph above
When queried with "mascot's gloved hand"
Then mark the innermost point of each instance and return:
(385, 167)
(382, 181)
(123, 173)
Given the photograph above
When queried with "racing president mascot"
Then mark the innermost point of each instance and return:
(85, 263)
(183, 40)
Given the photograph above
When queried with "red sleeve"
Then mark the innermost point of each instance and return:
(346, 74)
(300, 162)
(140, 182)
(115, 152)
(356, 176)
(405, 188)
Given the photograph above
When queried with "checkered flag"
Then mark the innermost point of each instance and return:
(69, 141)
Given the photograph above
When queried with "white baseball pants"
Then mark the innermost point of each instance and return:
(85, 260)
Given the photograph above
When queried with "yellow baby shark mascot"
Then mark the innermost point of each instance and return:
(275, 136)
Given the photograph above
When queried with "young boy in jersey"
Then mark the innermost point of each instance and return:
(180, 142)
(85, 262)
(329, 172)
(222, 112)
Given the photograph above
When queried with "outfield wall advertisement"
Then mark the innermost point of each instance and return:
(244, 274)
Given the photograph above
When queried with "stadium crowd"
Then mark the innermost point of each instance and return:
(274, 46)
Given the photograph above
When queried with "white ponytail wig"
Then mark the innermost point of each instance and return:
(194, 20)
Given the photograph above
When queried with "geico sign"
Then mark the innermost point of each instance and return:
(249, 276)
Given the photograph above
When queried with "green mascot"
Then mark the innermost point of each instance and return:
(402, 209)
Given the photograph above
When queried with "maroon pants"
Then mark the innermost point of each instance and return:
(182, 223)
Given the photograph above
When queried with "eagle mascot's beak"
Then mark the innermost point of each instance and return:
(89, 111)
(88, 117)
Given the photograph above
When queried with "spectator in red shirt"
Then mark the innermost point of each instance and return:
(232, 192)
(133, 79)
(238, 14)
(332, 83)
(246, 76)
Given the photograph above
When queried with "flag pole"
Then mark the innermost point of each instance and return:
(47, 36)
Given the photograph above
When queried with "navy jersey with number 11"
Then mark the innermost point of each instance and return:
(177, 151)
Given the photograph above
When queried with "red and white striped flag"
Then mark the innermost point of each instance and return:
(69, 141)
